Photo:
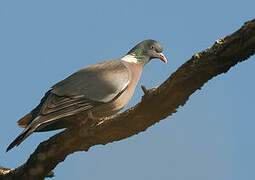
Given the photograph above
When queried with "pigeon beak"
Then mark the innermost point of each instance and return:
(162, 57)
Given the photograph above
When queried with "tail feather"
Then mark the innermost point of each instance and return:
(29, 129)
(21, 138)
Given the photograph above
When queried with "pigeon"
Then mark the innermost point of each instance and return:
(96, 91)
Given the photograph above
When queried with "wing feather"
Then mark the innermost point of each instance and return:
(84, 90)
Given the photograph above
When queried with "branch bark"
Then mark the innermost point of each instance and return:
(157, 104)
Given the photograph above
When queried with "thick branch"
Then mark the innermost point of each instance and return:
(156, 104)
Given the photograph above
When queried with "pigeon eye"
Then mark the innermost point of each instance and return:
(152, 47)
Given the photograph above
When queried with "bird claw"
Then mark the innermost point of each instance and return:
(145, 91)
(90, 116)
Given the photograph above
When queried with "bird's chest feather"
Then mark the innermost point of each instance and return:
(135, 73)
(116, 105)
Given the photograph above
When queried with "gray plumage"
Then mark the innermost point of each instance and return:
(102, 89)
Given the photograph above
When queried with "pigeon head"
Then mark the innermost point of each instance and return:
(146, 50)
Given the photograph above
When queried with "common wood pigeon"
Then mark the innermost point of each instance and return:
(99, 90)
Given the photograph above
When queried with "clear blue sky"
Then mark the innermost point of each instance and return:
(211, 137)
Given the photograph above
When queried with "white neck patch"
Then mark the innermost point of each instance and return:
(130, 58)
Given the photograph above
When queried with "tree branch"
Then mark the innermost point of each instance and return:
(156, 104)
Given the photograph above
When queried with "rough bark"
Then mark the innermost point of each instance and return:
(157, 104)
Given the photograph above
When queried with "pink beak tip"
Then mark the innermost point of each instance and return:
(163, 58)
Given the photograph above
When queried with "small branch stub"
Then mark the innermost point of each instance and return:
(145, 91)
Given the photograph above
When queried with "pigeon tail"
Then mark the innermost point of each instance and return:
(25, 133)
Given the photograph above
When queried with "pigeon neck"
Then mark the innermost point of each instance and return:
(132, 58)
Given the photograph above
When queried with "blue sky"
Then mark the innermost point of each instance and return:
(211, 137)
